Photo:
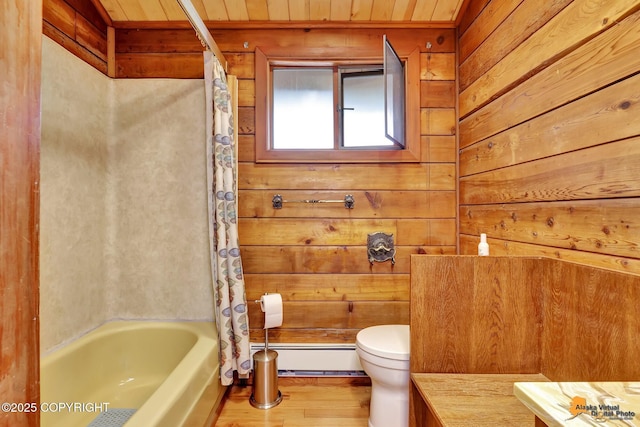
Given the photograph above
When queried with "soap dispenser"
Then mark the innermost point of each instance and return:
(483, 246)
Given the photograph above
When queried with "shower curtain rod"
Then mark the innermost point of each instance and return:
(202, 31)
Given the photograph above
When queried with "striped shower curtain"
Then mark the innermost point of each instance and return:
(228, 279)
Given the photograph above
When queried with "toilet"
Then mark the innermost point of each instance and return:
(384, 355)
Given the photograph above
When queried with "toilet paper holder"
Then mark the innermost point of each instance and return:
(265, 393)
(270, 322)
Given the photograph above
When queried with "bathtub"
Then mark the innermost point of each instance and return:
(167, 372)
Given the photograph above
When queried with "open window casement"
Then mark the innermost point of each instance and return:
(372, 108)
(394, 95)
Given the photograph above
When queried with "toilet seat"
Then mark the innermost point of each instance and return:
(388, 341)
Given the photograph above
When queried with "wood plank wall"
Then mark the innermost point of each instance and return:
(549, 137)
(512, 314)
(79, 27)
(20, 51)
(476, 315)
(316, 255)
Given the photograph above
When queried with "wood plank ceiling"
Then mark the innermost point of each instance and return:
(358, 11)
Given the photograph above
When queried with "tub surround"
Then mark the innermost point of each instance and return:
(73, 185)
(158, 250)
(584, 403)
(123, 199)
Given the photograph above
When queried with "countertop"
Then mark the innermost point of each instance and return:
(478, 400)
(579, 404)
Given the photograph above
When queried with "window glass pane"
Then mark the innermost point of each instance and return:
(303, 108)
(363, 110)
(394, 94)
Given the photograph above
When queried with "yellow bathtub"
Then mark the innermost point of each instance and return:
(164, 373)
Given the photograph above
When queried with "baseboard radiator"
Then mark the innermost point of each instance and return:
(314, 360)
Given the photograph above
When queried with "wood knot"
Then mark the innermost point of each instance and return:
(375, 201)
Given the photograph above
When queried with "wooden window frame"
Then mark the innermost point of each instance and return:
(266, 57)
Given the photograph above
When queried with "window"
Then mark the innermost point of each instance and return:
(302, 102)
(332, 109)
(306, 101)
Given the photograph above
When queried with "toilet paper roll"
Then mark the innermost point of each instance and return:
(271, 305)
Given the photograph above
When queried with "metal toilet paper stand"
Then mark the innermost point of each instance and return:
(265, 393)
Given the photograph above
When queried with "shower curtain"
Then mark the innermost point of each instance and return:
(226, 265)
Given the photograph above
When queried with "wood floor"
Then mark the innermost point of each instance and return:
(306, 402)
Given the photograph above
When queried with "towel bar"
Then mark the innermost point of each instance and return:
(277, 201)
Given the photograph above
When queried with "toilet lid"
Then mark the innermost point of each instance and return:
(390, 341)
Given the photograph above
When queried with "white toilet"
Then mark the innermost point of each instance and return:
(384, 355)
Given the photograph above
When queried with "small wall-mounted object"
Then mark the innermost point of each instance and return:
(277, 201)
(380, 247)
